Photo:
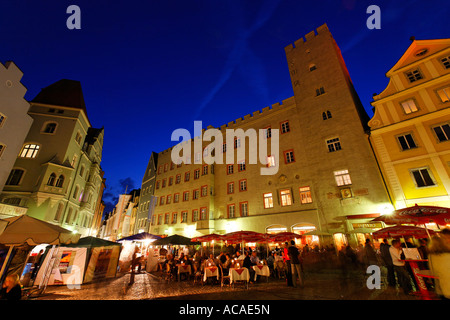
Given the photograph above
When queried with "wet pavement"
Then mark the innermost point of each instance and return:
(323, 285)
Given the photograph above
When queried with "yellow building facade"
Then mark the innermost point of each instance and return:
(410, 129)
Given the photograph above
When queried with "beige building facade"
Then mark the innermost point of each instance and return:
(327, 177)
(57, 173)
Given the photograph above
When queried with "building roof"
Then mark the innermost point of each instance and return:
(65, 93)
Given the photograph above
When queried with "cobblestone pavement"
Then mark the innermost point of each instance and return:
(324, 285)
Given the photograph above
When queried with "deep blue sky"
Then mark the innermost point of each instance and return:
(150, 67)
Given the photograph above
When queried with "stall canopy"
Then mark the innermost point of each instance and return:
(417, 215)
(283, 236)
(89, 259)
(33, 231)
(140, 236)
(208, 238)
(174, 240)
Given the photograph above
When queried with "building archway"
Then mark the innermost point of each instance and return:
(302, 228)
(276, 228)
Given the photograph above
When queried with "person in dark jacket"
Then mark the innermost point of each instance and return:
(387, 262)
(12, 289)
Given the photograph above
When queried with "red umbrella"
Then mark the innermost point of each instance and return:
(207, 238)
(402, 231)
(283, 236)
(243, 236)
(417, 215)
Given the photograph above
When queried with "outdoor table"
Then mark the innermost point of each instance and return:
(261, 270)
(239, 274)
(183, 268)
(211, 272)
(423, 291)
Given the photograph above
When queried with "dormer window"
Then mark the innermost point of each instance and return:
(414, 75)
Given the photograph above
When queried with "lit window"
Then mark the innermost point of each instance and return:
(285, 127)
(174, 218)
(334, 145)
(268, 200)
(422, 177)
(194, 215)
(169, 199)
(176, 198)
(204, 191)
(203, 214)
(342, 178)
(195, 194)
(178, 178)
(187, 176)
(406, 142)
(166, 218)
(444, 94)
(442, 132)
(205, 170)
(161, 200)
(231, 211)
(409, 106)
(244, 209)
(414, 75)
(230, 169)
(29, 151)
(184, 216)
(270, 161)
(289, 156)
(196, 173)
(14, 177)
(160, 219)
(285, 196)
(305, 195)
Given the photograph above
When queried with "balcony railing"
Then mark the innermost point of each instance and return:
(11, 210)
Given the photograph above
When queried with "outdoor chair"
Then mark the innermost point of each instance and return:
(198, 276)
(223, 278)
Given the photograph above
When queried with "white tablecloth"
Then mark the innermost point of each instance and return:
(211, 272)
(239, 274)
(261, 270)
(184, 269)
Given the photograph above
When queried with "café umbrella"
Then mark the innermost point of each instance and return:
(208, 238)
(243, 236)
(417, 215)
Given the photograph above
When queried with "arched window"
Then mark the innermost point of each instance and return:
(75, 193)
(51, 179)
(29, 151)
(69, 215)
(50, 127)
(59, 211)
(324, 116)
(60, 181)
(329, 114)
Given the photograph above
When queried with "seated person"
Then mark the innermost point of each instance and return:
(210, 262)
(254, 259)
(12, 289)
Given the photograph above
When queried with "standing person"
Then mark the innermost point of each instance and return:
(12, 289)
(370, 257)
(287, 261)
(294, 256)
(399, 266)
(387, 261)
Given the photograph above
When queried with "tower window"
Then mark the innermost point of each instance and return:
(334, 145)
(320, 91)
(51, 180)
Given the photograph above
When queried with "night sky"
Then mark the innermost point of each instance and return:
(150, 67)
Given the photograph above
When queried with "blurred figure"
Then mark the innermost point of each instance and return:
(399, 266)
(387, 262)
(12, 289)
(439, 262)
